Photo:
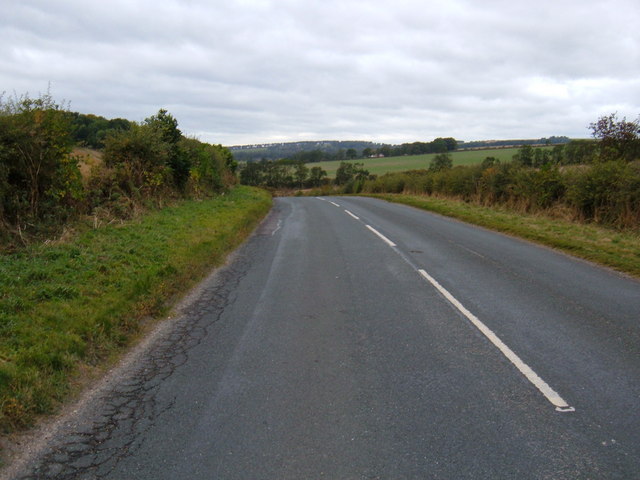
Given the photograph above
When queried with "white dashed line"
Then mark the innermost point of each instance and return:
(550, 394)
(388, 242)
(349, 213)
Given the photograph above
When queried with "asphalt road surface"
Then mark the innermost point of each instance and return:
(351, 338)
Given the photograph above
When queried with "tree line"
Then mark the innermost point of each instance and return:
(439, 145)
(143, 164)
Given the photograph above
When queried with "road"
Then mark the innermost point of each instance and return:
(351, 338)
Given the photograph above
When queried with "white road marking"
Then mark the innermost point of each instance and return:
(349, 213)
(545, 389)
(277, 228)
(550, 394)
(388, 242)
(333, 203)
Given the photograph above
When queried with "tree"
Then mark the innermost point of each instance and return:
(351, 153)
(439, 145)
(619, 139)
(385, 150)
(316, 175)
(349, 171)
(489, 162)
(139, 156)
(251, 174)
(580, 152)
(451, 143)
(166, 126)
(300, 174)
(442, 161)
(541, 157)
(524, 156)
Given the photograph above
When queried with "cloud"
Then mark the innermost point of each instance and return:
(257, 70)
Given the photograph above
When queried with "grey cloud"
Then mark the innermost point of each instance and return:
(253, 71)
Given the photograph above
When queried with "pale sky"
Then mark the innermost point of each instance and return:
(259, 71)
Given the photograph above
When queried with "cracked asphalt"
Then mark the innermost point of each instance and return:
(320, 351)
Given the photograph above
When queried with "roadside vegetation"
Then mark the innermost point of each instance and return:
(102, 224)
(67, 306)
(143, 165)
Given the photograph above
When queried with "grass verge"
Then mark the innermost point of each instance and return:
(617, 250)
(69, 306)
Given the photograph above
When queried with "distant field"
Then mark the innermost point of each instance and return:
(380, 166)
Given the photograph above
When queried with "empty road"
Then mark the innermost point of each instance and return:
(351, 338)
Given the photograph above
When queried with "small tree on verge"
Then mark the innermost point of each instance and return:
(442, 161)
(619, 139)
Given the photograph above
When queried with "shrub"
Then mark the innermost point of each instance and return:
(608, 192)
(39, 178)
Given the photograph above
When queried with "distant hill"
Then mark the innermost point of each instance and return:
(480, 144)
(335, 149)
(276, 151)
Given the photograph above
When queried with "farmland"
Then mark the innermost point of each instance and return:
(380, 166)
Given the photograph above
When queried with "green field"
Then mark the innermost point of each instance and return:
(380, 166)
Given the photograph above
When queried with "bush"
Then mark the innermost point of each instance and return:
(39, 179)
(608, 192)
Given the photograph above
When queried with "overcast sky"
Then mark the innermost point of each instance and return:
(258, 71)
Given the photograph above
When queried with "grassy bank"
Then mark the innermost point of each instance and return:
(618, 250)
(70, 305)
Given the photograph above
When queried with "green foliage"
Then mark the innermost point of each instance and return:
(351, 154)
(284, 174)
(605, 192)
(316, 176)
(39, 180)
(578, 152)
(91, 130)
(166, 126)
(442, 161)
(524, 156)
(618, 139)
(208, 164)
(349, 172)
(301, 174)
(489, 162)
(41, 186)
(139, 158)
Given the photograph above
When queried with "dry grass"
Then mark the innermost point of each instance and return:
(88, 159)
